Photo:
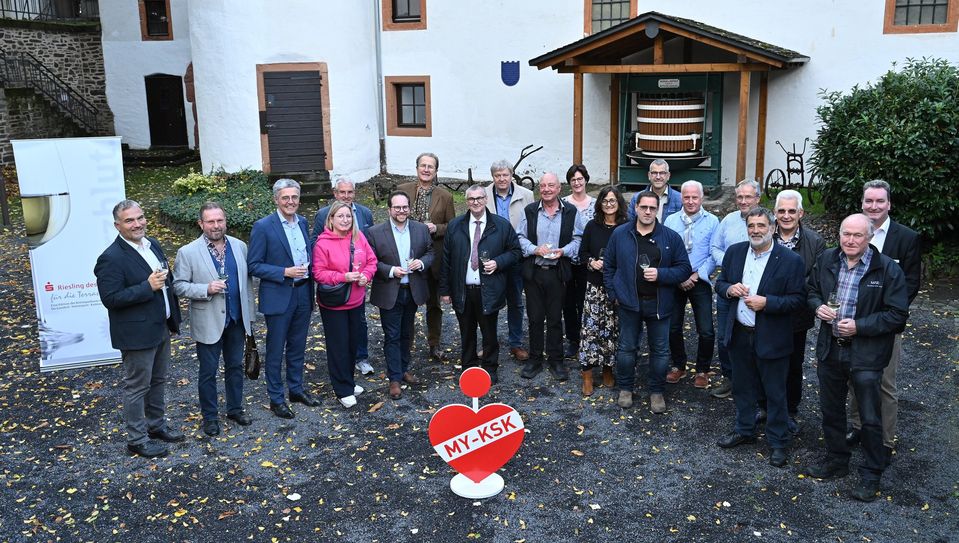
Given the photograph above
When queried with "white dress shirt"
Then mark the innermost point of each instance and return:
(473, 276)
(752, 274)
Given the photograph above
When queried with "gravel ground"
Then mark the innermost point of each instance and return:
(587, 470)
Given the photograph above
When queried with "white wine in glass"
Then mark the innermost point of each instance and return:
(44, 216)
(643, 261)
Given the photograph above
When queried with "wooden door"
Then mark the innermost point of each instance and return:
(166, 110)
(293, 121)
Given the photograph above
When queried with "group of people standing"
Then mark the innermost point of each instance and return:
(594, 271)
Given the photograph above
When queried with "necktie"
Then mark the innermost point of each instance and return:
(474, 255)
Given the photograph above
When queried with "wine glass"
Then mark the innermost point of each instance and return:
(643, 261)
(833, 303)
(549, 250)
(223, 276)
(484, 258)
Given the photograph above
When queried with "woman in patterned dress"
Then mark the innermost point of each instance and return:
(600, 328)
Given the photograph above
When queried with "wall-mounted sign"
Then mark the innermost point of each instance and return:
(668, 83)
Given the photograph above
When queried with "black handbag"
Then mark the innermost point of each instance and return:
(335, 295)
(251, 358)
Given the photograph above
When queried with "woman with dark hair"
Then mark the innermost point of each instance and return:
(578, 178)
(600, 328)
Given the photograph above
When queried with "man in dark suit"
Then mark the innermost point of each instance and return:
(855, 343)
(480, 249)
(765, 283)
(134, 285)
(344, 191)
(280, 256)
(431, 205)
(404, 252)
(211, 272)
(901, 244)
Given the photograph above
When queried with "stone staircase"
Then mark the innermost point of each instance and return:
(23, 70)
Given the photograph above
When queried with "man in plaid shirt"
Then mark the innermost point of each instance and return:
(855, 343)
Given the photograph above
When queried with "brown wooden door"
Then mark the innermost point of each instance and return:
(293, 121)
(166, 110)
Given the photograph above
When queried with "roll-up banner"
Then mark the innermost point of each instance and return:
(68, 188)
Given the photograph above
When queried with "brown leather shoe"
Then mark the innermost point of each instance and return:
(395, 392)
(409, 379)
(674, 375)
(608, 379)
(701, 380)
(519, 353)
(588, 382)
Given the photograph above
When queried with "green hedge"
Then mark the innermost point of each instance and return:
(903, 129)
(246, 196)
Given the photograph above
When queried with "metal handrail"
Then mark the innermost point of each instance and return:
(24, 70)
(50, 10)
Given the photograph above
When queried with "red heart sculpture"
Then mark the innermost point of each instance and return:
(476, 443)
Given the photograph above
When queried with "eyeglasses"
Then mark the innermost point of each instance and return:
(290, 198)
(475, 199)
(787, 211)
(654, 174)
(609, 203)
(647, 208)
(579, 179)
(400, 208)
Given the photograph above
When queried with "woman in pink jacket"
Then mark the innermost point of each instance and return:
(341, 325)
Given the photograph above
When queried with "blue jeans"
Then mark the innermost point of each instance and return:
(701, 299)
(231, 344)
(398, 333)
(515, 308)
(287, 332)
(722, 314)
(657, 336)
(363, 347)
(749, 374)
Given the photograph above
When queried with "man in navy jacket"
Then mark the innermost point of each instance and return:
(643, 289)
(765, 284)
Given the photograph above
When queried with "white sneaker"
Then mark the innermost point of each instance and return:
(364, 367)
(348, 401)
(357, 390)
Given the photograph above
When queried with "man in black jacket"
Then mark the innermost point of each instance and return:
(479, 249)
(901, 244)
(136, 288)
(854, 345)
(808, 244)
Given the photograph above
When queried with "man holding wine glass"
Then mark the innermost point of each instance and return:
(856, 337)
(211, 272)
(135, 287)
(644, 262)
(480, 249)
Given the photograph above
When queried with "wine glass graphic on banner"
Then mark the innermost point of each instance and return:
(44, 216)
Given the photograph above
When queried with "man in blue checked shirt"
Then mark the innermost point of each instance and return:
(696, 226)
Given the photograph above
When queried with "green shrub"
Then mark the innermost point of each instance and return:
(903, 129)
(246, 197)
(195, 182)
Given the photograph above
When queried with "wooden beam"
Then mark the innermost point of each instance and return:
(761, 129)
(718, 44)
(578, 118)
(664, 68)
(614, 130)
(658, 49)
(743, 123)
(583, 49)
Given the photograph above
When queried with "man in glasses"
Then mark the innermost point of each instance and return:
(345, 190)
(404, 253)
(479, 251)
(431, 205)
(731, 230)
(670, 200)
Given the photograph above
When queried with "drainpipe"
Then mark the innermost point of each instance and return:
(381, 115)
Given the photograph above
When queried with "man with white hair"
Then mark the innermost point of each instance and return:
(731, 230)
(854, 346)
(344, 190)
(696, 226)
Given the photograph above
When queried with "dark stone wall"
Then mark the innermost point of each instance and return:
(75, 55)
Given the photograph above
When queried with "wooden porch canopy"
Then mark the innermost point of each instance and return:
(653, 43)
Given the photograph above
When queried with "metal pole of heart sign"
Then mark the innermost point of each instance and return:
(476, 442)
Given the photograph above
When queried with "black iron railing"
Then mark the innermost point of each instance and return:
(23, 70)
(50, 10)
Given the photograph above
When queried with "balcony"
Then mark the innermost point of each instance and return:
(50, 10)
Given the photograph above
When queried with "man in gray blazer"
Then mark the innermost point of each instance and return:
(404, 253)
(211, 272)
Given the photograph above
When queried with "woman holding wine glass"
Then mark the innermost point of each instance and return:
(578, 178)
(342, 255)
(600, 331)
